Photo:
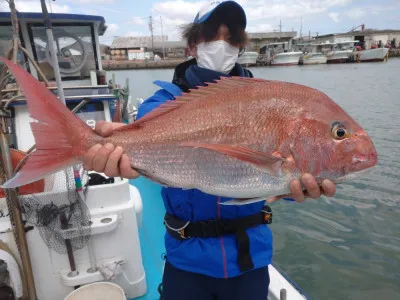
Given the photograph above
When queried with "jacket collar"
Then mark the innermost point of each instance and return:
(188, 74)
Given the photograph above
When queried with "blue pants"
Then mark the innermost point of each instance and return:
(182, 285)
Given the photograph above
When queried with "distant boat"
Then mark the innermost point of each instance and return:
(372, 55)
(340, 52)
(286, 59)
(278, 54)
(248, 58)
(313, 59)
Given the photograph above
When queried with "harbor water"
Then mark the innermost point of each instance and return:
(348, 246)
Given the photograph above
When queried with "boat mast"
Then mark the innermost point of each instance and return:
(60, 91)
(50, 40)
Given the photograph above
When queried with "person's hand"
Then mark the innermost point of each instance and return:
(107, 159)
(328, 188)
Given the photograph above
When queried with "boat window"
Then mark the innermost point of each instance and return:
(74, 47)
(6, 33)
(90, 113)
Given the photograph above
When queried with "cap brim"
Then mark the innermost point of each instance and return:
(231, 9)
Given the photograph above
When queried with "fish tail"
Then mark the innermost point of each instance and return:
(61, 137)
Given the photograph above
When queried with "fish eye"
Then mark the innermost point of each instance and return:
(338, 131)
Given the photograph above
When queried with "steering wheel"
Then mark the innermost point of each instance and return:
(70, 50)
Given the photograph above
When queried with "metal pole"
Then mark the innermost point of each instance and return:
(152, 37)
(162, 37)
(15, 26)
(51, 8)
(60, 91)
(283, 294)
(50, 40)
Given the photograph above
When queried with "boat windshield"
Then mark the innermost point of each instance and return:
(6, 34)
(74, 47)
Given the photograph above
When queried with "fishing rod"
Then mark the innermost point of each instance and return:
(60, 93)
(78, 182)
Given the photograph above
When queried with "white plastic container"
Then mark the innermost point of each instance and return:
(98, 291)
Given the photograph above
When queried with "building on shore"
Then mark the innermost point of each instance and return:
(258, 39)
(172, 49)
(104, 52)
(366, 38)
(141, 48)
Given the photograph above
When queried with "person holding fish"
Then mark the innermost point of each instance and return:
(208, 266)
(220, 142)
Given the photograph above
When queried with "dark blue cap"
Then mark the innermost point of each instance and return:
(229, 8)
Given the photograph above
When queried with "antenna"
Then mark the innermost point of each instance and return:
(51, 8)
(162, 39)
(301, 27)
(152, 36)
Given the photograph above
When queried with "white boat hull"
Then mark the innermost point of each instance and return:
(373, 55)
(340, 56)
(279, 282)
(314, 59)
(286, 59)
(248, 58)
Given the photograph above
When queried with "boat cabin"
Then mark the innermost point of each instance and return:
(76, 38)
(79, 58)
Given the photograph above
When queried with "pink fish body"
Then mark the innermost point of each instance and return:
(239, 138)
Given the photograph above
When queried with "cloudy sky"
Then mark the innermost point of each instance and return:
(131, 17)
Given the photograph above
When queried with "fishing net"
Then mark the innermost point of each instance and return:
(61, 216)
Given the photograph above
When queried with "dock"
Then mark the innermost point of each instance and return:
(140, 64)
(394, 52)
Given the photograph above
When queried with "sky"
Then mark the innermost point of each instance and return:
(131, 17)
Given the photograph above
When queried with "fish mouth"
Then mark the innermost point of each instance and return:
(364, 161)
(361, 164)
(355, 175)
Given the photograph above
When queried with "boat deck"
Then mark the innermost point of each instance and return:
(151, 235)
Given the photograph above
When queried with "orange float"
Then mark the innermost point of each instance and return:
(32, 188)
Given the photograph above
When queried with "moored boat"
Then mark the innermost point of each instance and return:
(339, 52)
(248, 58)
(372, 55)
(279, 54)
(286, 59)
(313, 59)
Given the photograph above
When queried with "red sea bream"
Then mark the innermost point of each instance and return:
(239, 138)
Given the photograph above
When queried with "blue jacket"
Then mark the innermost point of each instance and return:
(216, 257)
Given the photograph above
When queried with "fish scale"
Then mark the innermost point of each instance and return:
(239, 137)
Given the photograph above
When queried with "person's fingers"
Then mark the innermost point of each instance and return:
(276, 198)
(101, 157)
(112, 164)
(328, 188)
(104, 128)
(89, 156)
(126, 169)
(297, 191)
(311, 186)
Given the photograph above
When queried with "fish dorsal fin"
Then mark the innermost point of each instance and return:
(162, 109)
(223, 84)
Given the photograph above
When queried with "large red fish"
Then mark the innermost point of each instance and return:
(239, 138)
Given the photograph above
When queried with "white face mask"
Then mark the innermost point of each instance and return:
(217, 55)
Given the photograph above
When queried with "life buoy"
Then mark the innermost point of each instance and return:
(32, 188)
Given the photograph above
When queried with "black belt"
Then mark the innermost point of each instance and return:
(183, 230)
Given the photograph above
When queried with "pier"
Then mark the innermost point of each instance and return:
(135, 65)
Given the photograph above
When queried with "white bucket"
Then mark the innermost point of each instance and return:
(98, 291)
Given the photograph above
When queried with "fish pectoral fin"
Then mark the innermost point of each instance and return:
(244, 201)
(260, 159)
